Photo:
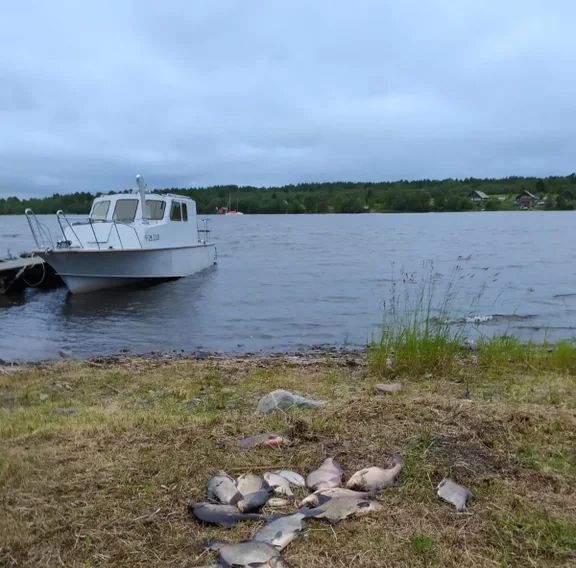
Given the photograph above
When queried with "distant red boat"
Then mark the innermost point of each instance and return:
(227, 210)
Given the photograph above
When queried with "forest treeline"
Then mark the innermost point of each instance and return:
(558, 192)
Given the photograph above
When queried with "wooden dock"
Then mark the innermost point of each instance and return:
(25, 271)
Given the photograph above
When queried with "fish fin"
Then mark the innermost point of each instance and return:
(323, 499)
(238, 497)
(226, 524)
(308, 513)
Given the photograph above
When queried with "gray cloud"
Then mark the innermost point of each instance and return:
(268, 92)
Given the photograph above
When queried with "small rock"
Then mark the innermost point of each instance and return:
(66, 411)
(193, 403)
(283, 400)
(390, 388)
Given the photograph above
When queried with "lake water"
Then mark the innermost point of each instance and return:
(288, 282)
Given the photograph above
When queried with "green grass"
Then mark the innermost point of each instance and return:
(420, 544)
(417, 335)
(502, 351)
(109, 484)
(420, 344)
(417, 348)
(534, 534)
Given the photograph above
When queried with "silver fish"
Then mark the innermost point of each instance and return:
(293, 477)
(250, 553)
(222, 487)
(277, 502)
(281, 531)
(270, 440)
(322, 495)
(388, 388)
(339, 508)
(454, 493)
(374, 479)
(279, 483)
(329, 474)
(250, 483)
(224, 515)
(253, 502)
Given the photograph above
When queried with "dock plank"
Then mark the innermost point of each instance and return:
(17, 263)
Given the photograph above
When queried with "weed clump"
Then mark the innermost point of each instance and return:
(417, 336)
(501, 352)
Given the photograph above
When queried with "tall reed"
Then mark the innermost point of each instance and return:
(417, 336)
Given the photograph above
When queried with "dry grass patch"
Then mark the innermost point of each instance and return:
(99, 461)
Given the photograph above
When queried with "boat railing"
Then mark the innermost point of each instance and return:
(204, 232)
(40, 232)
(72, 221)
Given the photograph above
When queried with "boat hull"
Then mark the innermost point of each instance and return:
(87, 270)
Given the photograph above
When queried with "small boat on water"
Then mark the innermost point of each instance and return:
(228, 209)
(126, 239)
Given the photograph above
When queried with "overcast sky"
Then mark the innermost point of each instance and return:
(270, 92)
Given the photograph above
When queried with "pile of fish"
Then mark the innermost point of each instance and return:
(235, 500)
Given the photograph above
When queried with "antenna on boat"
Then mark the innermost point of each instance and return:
(142, 191)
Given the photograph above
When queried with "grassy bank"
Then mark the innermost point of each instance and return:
(98, 460)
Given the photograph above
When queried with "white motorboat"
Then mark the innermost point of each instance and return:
(126, 239)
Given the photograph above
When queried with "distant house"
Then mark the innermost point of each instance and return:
(477, 196)
(527, 200)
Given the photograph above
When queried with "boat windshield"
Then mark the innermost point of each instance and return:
(100, 211)
(155, 210)
(125, 210)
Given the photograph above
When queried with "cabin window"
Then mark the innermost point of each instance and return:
(176, 211)
(125, 210)
(184, 212)
(155, 210)
(100, 211)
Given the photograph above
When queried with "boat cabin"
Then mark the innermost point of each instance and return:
(127, 208)
(132, 221)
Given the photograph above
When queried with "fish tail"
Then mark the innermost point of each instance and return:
(238, 497)
(208, 544)
(398, 460)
